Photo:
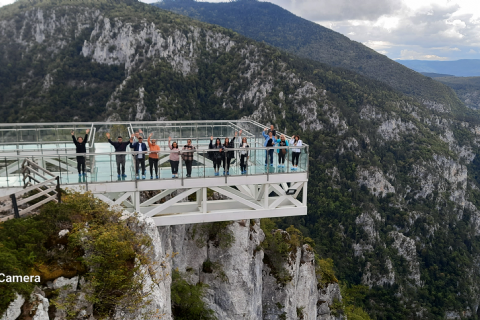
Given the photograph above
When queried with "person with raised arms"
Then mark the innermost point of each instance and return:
(80, 144)
(119, 146)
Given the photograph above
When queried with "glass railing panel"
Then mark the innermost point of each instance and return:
(303, 161)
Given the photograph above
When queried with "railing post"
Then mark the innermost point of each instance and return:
(181, 164)
(268, 166)
(6, 168)
(15, 206)
(59, 193)
(225, 163)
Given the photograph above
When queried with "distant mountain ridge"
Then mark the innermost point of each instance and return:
(267, 22)
(458, 68)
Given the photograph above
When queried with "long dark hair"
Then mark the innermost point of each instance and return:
(218, 142)
(175, 145)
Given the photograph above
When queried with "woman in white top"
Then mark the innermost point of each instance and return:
(295, 141)
(244, 155)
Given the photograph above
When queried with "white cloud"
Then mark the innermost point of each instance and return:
(5, 2)
(414, 55)
(432, 29)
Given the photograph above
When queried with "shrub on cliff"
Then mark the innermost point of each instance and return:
(99, 246)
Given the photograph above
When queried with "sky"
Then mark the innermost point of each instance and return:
(399, 29)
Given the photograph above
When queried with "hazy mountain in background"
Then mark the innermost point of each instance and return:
(267, 22)
(436, 75)
(458, 68)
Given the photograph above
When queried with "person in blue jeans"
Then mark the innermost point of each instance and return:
(269, 142)
(282, 142)
(139, 147)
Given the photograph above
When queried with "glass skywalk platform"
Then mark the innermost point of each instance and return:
(50, 147)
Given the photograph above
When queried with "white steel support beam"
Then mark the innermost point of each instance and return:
(157, 197)
(204, 200)
(168, 203)
(237, 198)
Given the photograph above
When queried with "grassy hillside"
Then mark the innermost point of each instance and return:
(269, 23)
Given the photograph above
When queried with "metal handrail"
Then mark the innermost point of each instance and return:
(159, 152)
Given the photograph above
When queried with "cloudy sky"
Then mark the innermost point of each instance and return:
(400, 29)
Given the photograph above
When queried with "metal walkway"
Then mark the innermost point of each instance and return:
(264, 191)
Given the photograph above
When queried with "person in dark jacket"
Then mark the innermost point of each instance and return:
(81, 148)
(120, 146)
(269, 142)
(227, 159)
(188, 157)
(216, 155)
(139, 147)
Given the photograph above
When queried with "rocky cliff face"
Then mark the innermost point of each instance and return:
(240, 284)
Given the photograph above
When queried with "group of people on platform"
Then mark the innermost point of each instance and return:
(218, 153)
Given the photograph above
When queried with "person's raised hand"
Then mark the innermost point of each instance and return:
(150, 135)
(240, 132)
(72, 132)
(133, 135)
(140, 131)
(236, 133)
(87, 131)
(169, 139)
(108, 135)
(211, 138)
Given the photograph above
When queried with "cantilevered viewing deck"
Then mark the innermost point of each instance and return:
(34, 153)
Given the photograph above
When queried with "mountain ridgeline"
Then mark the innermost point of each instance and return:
(394, 182)
(269, 23)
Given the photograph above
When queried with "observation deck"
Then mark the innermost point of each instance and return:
(35, 153)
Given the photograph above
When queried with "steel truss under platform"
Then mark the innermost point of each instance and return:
(242, 198)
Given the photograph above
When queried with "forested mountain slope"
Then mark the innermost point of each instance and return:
(467, 89)
(394, 183)
(267, 22)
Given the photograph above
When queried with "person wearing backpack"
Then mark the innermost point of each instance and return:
(269, 142)
(243, 155)
(216, 155)
(282, 142)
